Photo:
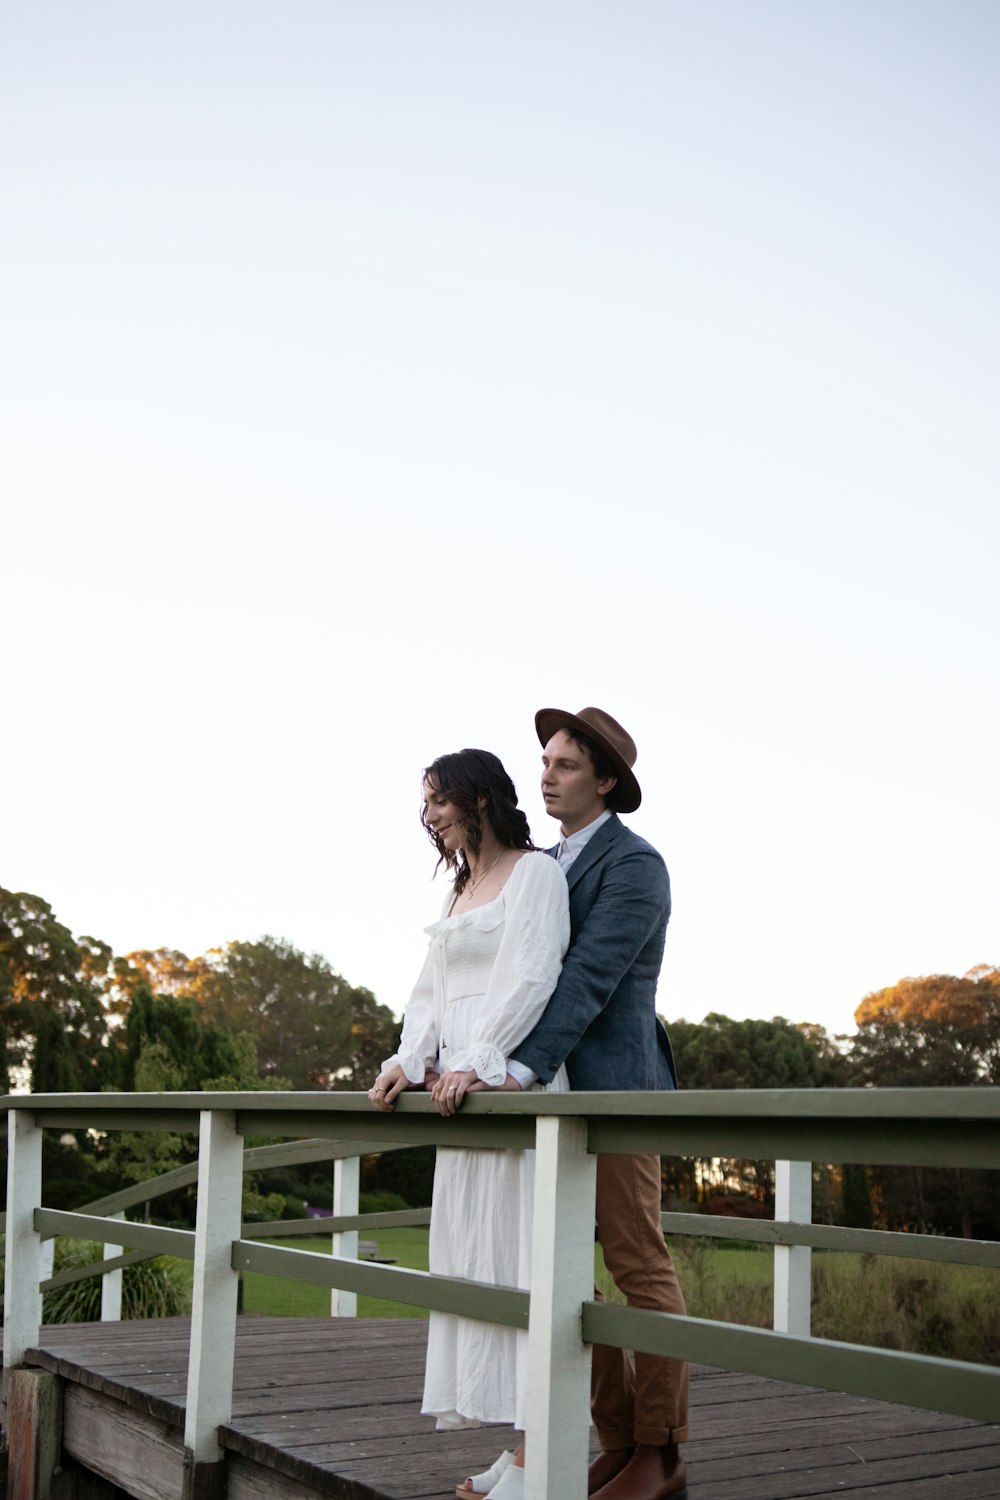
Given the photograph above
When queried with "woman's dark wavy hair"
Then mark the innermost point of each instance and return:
(463, 778)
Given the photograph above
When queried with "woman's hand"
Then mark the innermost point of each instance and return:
(451, 1088)
(510, 1085)
(385, 1088)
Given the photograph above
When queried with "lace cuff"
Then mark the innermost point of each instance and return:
(488, 1062)
(411, 1064)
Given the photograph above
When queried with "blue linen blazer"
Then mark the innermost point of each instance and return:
(601, 1020)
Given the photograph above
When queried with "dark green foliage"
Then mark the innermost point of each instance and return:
(150, 1289)
(55, 1069)
(410, 1174)
(52, 1019)
(382, 1203)
(196, 1049)
(310, 1027)
(374, 1035)
(721, 1053)
(71, 1173)
(300, 1011)
(857, 1211)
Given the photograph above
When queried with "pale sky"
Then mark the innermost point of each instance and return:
(375, 374)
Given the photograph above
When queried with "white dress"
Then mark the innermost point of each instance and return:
(486, 980)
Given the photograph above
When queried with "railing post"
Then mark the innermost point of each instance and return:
(346, 1198)
(111, 1284)
(793, 1263)
(23, 1254)
(209, 1399)
(562, 1279)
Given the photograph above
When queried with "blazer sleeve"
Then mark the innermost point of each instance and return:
(524, 974)
(633, 901)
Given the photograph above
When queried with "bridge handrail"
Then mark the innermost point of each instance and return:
(771, 1232)
(255, 1159)
(938, 1127)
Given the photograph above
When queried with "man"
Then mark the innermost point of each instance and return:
(601, 1021)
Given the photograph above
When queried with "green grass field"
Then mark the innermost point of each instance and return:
(294, 1299)
(953, 1311)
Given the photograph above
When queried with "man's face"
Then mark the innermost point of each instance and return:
(570, 786)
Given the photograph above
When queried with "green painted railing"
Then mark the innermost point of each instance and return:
(928, 1127)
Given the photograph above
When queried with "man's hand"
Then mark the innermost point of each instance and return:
(510, 1085)
(386, 1087)
(451, 1088)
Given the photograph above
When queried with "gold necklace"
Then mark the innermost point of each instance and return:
(478, 879)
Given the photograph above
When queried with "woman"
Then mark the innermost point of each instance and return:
(492, 963)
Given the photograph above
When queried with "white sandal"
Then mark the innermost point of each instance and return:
(481, 1484)
(453, 1421)
(510, 1485)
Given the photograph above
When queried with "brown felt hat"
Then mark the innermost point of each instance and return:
(606, 732)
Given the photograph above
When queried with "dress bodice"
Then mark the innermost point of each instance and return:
(487, 975)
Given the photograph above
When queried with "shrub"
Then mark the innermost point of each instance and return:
(409, 1172)
(151, 1289)
(381, 1203)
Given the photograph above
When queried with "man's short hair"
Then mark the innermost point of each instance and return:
(602, 763)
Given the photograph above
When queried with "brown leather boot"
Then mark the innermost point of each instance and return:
(608, 1463)
(650, 1474)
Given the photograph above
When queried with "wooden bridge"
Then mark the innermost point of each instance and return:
(331, 1407)
(221, 1405)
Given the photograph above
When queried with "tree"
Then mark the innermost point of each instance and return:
(935, 1031)
(725, 1054)
(374, 1036)
(138, 1155)
(51, 1009)
(300, 1011)
(164, 971)
(857, 1211)
(165, 1045)
(195, 1051)
(722, 1053)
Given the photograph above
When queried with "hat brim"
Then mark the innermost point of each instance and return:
(626, 795)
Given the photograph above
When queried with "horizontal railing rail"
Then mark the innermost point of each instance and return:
(255, 1159)
(946, 1249)
(935, 1127)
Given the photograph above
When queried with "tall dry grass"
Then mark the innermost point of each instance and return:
(921, 1307)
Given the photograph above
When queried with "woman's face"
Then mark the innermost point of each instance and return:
(444, 818)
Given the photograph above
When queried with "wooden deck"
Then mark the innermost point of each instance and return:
(330, 1407)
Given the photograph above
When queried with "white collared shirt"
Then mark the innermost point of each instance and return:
(569, 849)
(572, 847)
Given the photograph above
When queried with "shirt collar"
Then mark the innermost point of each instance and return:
(576, 842)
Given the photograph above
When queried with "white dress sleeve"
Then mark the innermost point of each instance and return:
(533, 946)
(418, 1045)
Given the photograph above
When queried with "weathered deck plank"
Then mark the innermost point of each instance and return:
(331, 1407)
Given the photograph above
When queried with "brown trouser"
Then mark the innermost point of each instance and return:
(640, 1398)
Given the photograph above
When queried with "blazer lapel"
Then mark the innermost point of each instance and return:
(594, 849)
